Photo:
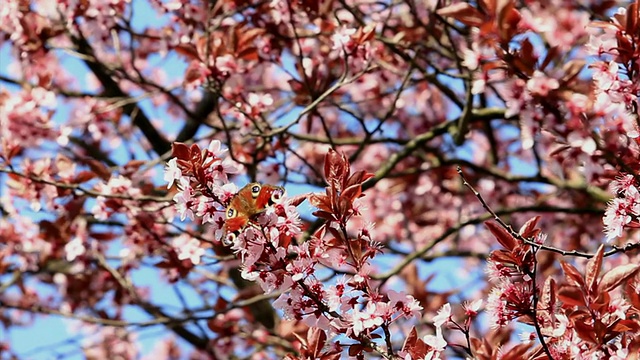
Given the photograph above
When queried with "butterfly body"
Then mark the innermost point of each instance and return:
(250, 201)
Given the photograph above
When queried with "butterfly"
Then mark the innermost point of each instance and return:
(249, 202)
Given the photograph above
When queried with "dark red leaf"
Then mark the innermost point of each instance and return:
(180, 151)
(593, 269)
(508, 19)
(502, 235)
(632, 294)
(321, 201)
(572, 274)
(103, 236)
(187, 50)
(585, 331)
(195, 154)
(99, 168)
(528, 230)
(464, 13)
(83, 176)
(134, 165)
(336, 169)
(616, 276)
(355, 349)
(626, 326)
(517, 352)
(359, 177)
(316, 339)
(548, 296)
(571, 69)
(571, 296)
(351, 193)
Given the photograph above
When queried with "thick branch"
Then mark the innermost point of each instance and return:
(158, 142)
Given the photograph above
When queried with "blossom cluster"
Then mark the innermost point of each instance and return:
(624, 209)
(271, 254)
(616, 73)
(571, 317)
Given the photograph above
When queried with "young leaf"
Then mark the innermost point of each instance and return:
(593, 269)
(617, 276)
(503, 237)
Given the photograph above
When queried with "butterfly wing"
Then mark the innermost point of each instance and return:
(250, 201)
(239, 209)
(269, 195)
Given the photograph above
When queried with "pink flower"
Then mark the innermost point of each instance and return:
(172, 172)
(436, 342)
(216, 149)
(290, 223)
(407, 304)
(300, 268)
(625, 184)
(188, 248)
(227, 65)
(497, 308)
(539, 84)
(472, 308)
(335, 294)
(444, 315)
(342, 39)
(220, 168)
(74, 248)
(366, 320)
(184, 200)
(616, 217)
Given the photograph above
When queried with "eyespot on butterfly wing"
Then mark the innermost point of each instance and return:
(250, 201)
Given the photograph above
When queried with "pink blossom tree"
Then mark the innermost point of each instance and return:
(421, 134)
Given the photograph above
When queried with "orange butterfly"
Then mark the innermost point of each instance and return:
(249, 202)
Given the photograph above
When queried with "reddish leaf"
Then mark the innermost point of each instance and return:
(180, 150)
(316, 338)
(351, 193)
(195, 154)
(99, 168)
(585, 331)
(246, 41)
(83, 176)
(410, 340)
(359, 177)
(464, 13)
(187, 50)
(616, 276)
(103, 236)
(528, 230)
(632, 295)
(572, 274)
(134, 165)
(336, 168)
(571, 296)
(508, 19)
(502, 256)
(548, 296)
(517, 352)
(320, 201)
(593, 269)
(571, 69)
(633, 16)
(551, 55)
(503, 237)
(625, 326)
(298, 199)
(355, 349)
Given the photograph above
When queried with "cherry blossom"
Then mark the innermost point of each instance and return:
(418, 143)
